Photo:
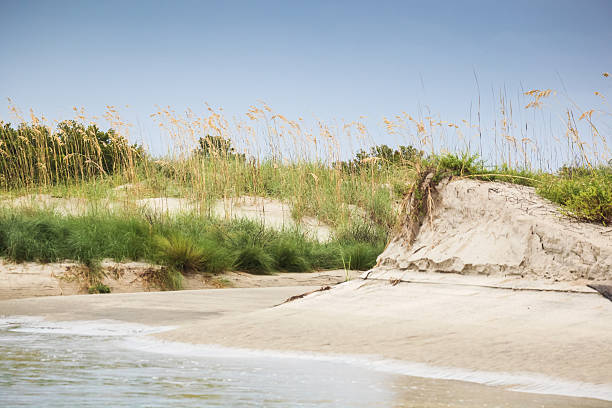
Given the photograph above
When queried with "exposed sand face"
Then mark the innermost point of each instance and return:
(499, 229)
(66, 278)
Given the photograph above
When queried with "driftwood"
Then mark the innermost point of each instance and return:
(604, 290)
(296, 297)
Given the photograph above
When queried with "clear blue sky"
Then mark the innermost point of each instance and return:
(337, 59)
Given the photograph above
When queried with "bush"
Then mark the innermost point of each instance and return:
(180, 253)
(584, 195)
(254, 259)
(289, 256)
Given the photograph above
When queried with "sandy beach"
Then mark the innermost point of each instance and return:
(544, 341)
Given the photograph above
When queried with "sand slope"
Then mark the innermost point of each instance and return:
(499, 229)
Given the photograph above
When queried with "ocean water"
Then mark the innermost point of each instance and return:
(115, 364)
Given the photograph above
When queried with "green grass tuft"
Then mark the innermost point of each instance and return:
(360, 256)
(180, 253)
(583, 194)
(255, 260)
(290, 256)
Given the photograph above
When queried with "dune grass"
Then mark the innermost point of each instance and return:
(183, 245)
(210, 158)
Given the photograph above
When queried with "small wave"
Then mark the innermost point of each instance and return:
(135, 337)
(103, 327)
(522, 382)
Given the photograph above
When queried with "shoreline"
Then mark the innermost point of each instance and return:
(530, 339)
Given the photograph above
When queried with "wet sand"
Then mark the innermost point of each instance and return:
(541, 341)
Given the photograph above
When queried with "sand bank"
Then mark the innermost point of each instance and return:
(31, 279)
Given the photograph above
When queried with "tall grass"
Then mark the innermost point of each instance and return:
(188, 244)
(213, 159)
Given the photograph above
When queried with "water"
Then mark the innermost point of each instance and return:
(107, 363)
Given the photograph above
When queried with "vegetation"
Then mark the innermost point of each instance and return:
(183, 245)
(34, 154)
(212, 161)
(585, 194)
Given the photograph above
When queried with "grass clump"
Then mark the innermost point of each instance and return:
(98, 288)
(254, 259)
(583, 194)
(290, 256)
(32, 238)
(180, 253)
(360, 256)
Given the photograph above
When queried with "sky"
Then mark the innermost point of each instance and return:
(317, 59)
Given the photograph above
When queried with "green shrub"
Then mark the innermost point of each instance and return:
(585, 195)
(360, 256)
(180, 253)
(457, 165)
(289, 256)
(254, 259)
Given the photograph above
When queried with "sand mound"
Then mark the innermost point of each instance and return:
(472, 227)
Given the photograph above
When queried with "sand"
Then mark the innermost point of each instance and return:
(31, 279)
(553, 342)
(483, 228)
(491, 290)
(557, 334)
(270, 212)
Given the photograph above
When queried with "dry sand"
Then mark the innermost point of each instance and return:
(511, 308)
(557, 334)
(31, 279)
(484, 228)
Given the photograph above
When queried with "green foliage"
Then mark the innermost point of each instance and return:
(98, 288)
(254, 259)
(217, 146)
(457, 165)
(380, 156)
(168, 278)
(289, 255)
(585, 194)
(180, 253)
(360, 256)
(31, 239)
(362, 231)
(32, 155)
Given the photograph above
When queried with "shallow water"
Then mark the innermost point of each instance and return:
(57, 364)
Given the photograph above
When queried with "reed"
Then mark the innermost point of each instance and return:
(336, 172)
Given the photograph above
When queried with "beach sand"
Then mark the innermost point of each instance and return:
(550, 342)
